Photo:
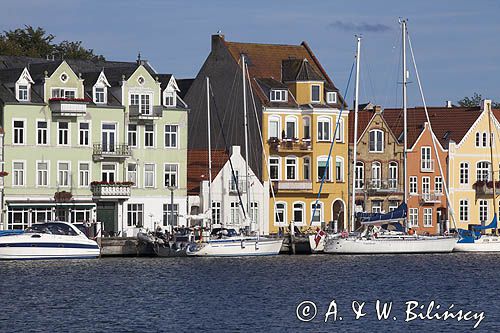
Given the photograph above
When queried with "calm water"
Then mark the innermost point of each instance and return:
(242, 295)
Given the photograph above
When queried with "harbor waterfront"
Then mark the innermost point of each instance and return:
(217, 295)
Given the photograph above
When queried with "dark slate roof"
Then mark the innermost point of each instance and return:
(184, 85)
(90, 78)
(164, 79)
(19, 61)
(10, 75)
(37, 71)
(299, 70)
(7, 95)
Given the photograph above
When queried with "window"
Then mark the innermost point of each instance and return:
(483, 211)
(42, 174)
(108, 172)
(426, 185)
(438, 184)
(478, 139)
(393, 204)
(99, 95)
(315, 93)
(339, 131)
(331, 97)
(425, 159)
(17, 218)
(413, 185)
(464, 210)
(83, 174)
(317, 213)
(280, 213)
(135, 215)
(278, 95)
(132, 173)
(254, 212)
(170, 217)
(149, 175)
(359, 180)
(464, 173)
(41, 133)
(170, 175)
(63, 93)
(339, 169)
(274, 168)
(274, 127)
(291, 168)
(324, 129)
(376, 206)
(291, 128)
(376, 175)
(18, 138)
(234, 181)
(306, 121)
(134, 99)
(18, 173)
(393, 175)
(132, 135)
(298, 213)
(376, 141)
(216, 212)
(485, 139)
(482, 171)
(63, 174)
(170, 98)
(413, 220)
(427, 217)
(322, 168)
(83, 134)
(22, 93)
(235, 213)
(143, 101)
(171, 136)
(63, 133)
(307, 168)
(149, 135)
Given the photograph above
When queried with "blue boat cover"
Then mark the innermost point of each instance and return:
(391, 217)
(10, 232)
(468, 236)
(492, 225)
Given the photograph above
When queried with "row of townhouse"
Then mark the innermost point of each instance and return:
(91, 141)
(457, 160)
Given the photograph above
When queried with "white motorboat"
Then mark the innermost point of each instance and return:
(48, 240)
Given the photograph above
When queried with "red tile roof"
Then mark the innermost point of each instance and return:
(364, 118)
(197, 167)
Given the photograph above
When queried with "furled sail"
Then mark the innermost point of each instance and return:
(391, 217)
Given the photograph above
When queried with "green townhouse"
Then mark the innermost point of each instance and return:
(87, 141)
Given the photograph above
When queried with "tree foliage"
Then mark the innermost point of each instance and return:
(35, 42)
(474, 101)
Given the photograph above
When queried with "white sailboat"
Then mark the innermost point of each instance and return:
(224, 243)
(373, 239)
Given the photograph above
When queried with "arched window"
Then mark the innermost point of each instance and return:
(280, 213)
(324, 128)
(322, 167)
(393, 175)
(478, 139)
(291, 167)
(339, 169)
(376, 175)
(339, 132)
(291, 127)
(307, 168)
(306, 121)
(274, 168)
(376, 141)
(298, 213)
(274, 127)
(485, 139)
(482, 171)
(359, 175)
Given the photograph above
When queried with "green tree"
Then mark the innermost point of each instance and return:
(35, 42)
(475, 100)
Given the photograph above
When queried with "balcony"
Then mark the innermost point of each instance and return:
(101, 151)
(382, 185)
(110, 191)
(292, 185)
(68, 107)
(289, 145)
(486, 187)
(427, 166)
(431, 198)
(154, 113)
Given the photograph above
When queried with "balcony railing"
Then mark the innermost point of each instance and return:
(68, 106)
(382, 185)
(153, 113)
(289, 145)
(427, 166)
(430, 198)
(110, 191)
(293, 185)
(235, 186)
(486, 187)
(113, 151)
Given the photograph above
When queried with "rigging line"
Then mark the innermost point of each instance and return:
(327, 168)
(263, 150)
(434, 139)
(226, 146)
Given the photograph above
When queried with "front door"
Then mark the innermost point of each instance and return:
(106, 214)
(108, 137)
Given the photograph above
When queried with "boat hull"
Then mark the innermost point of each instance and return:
(237, 247)
(389, 246)
(484, 244)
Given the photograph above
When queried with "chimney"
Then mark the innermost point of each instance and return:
(486, 104)
(217, 40)
(448, 104)
(235, 150)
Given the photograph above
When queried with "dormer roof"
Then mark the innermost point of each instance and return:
(293, 70)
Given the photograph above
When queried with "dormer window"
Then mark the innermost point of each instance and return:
(331, 97)
(100, 89)
(23, 93)
(99, 95)
(23, 86)
(170, 98)
(279, 95)
(315, 93)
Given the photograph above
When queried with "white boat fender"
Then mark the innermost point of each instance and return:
(256, 245)
(242, 244)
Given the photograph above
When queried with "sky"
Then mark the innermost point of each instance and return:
(455, 42)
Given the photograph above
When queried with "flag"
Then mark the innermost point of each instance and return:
(319, 234)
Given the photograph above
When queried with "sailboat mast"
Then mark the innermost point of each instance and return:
(488, 105)
(355, 149)
(247, 187)
(405, 115)
(209, 155)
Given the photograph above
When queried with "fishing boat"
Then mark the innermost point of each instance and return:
(375, 236)
(222, 242)
(48, 240)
